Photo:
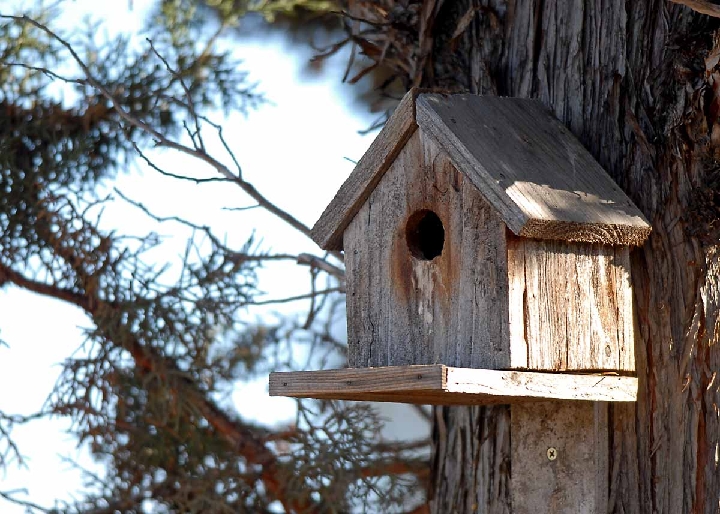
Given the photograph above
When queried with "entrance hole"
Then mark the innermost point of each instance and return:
(425, 235)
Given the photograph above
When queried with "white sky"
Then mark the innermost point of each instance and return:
(294, 151)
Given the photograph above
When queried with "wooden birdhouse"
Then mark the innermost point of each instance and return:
(487, 258)
(484, 244)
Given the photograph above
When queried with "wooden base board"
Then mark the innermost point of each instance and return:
(438, 384)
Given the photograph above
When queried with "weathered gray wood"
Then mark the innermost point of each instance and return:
(529, 384)
(531, 169)
(438, 384)
(576, 435)
(622, 272)
(571, 306)
(328, 230)
(517, 304)
(403, 310)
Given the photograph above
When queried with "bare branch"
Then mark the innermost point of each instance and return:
(306, 296)
(321, 264)
(421, 509)
(241, 209)
(191, 105)
(162, 140)
(44, 71)
(10, 496)
(419, 468)
(9, 275)
(425, 414)
(238, 257)
(161, 171)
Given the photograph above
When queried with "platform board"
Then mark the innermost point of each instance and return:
(438, 384)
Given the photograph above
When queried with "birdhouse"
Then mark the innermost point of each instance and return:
(484, 247)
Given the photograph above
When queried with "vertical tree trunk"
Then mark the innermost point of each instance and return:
(636, 81)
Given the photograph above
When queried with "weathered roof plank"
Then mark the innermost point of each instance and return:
(542, 181)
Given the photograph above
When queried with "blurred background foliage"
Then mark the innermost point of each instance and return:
(147, 390)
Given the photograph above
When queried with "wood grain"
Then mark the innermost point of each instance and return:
(571, 306)
(404, 310)
(517, 302)
(532, 170)
(328, 230)
(444, 385)
(575, 481)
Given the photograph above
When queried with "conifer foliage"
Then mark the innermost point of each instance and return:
(147, 390)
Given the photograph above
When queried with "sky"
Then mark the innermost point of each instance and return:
(297, 150)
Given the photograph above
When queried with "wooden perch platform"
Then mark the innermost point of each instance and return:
(444, 385)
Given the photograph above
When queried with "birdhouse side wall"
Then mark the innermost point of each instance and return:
(405, 309)
(570, 306)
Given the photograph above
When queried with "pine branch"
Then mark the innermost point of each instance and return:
(419, 468)
(306, 296)
(148, 361)
(163, 140)
(29, 506)
(84, 268)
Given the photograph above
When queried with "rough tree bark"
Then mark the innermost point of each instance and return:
(637, 82)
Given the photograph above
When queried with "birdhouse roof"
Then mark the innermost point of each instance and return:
(538, 177)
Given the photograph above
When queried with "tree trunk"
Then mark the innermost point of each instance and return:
(636, 82)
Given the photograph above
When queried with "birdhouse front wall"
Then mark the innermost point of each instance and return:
(434, 276)
(426, 267)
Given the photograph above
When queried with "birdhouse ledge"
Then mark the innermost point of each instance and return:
(437, 384)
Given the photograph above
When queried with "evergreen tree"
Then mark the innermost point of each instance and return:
(146, 394)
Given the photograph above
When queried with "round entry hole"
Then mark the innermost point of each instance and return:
(425, 235)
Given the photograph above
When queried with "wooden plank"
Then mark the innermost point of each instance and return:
(328, 230)
(531, 384)
(360, 331)
(559, 455)
(378, 327)
(443, 385)
(473, 306)
(517, 302)
(581, 351)
(402, 309)
(396, 379)
(546, 270)
(626, 333)
(532, 170)
(603, 319)
(571, 306)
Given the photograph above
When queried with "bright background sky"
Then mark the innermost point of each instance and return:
(297, 151)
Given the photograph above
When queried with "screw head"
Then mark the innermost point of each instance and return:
(552, 453)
